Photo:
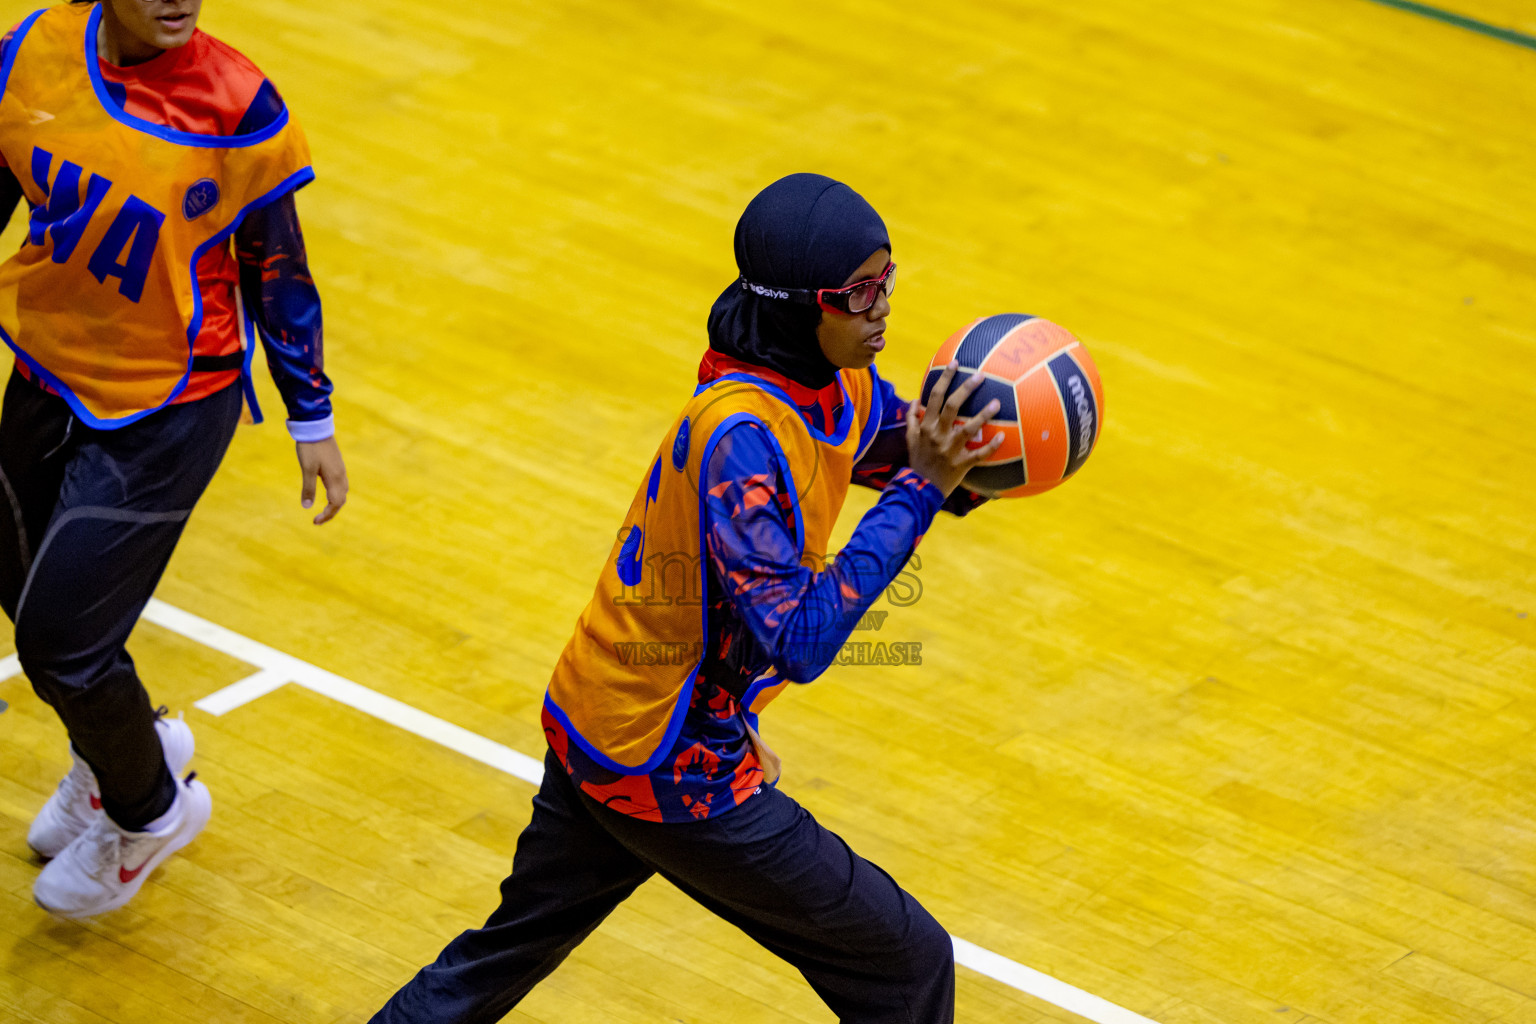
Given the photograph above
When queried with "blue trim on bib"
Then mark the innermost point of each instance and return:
(10, 56)
(292, 183)
(709, 450)
(876, 415)
(684, 698)
(78, 407)
(93, 69)
(757, 686)
(247, 381)
(844, 420)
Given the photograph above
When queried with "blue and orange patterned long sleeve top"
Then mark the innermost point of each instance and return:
(768, 610)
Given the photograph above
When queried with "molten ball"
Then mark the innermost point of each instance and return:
(1051, 398)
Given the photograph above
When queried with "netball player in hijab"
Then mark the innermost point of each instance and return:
(144, 148)
(715, 597)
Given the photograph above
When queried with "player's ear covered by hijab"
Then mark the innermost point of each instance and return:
(803, 231)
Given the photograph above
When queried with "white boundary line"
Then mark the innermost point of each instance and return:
(276, 669)
(1042, 986)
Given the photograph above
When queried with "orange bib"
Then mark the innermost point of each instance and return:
(625, 679)
(102, 300)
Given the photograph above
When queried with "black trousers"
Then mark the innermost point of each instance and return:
(88, 521)
(867, 947)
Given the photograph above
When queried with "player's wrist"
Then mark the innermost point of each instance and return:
(309, 431)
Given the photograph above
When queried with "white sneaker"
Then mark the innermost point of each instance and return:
(77, 801)
(105, 866)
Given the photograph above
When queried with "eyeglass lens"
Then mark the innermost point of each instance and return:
(862, 297)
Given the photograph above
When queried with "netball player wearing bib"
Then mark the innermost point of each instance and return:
(143, 147)
(714, 598)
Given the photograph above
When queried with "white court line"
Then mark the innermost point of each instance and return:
(263, 682)
(278, 669)
(1042, 986)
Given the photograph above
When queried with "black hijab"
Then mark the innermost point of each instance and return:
(803, 231)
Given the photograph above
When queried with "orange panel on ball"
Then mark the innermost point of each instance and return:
(1043, 426)
(947, 350)
(1012, 446)
(1024, 348)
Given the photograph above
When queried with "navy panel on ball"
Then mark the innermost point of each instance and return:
(998, 477)
(1082, 411)
(982, 338)
(929, 383)
(988, 389)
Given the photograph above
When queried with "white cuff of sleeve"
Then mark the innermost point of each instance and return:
(312, 430)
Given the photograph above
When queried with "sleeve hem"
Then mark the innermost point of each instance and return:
(308, 431)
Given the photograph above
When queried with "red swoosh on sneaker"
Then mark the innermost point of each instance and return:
(125, 876)
(95, 802)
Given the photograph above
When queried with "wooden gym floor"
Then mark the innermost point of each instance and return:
(1239, 726)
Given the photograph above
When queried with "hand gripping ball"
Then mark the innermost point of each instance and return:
(1051, 398)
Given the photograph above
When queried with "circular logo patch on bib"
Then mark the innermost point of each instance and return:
(201, 197)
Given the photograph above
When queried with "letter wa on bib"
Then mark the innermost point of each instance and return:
(102, 300)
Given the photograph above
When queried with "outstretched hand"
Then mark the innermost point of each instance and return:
(936, 441)
(323, 459)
